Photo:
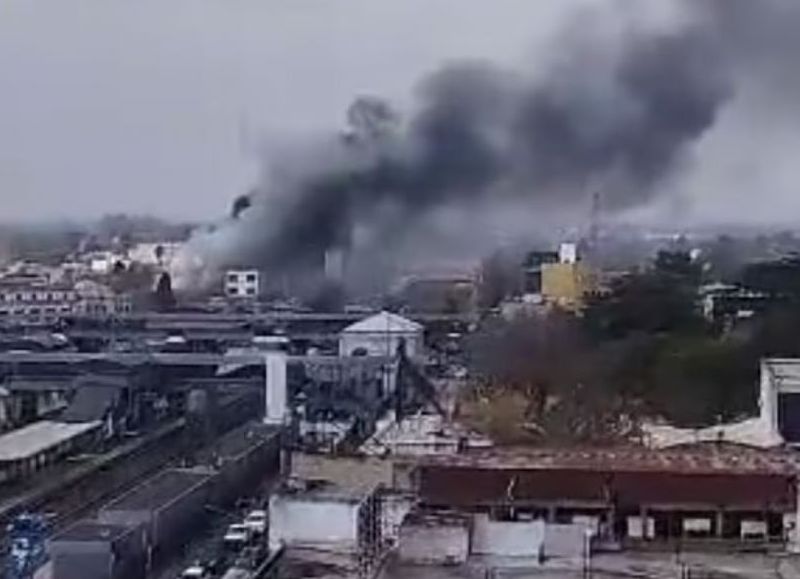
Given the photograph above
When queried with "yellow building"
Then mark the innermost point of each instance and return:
(566, 284)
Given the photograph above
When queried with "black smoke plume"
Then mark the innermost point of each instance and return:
(481, 132)
(619, 116)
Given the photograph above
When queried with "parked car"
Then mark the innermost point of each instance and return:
(237, 536)
(197, 571)
(256, 521)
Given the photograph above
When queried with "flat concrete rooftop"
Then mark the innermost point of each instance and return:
(30, 440)
(321, 491)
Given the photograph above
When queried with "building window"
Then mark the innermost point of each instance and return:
(251, 291)
(251, 278)
(233, 291)
(233, 278)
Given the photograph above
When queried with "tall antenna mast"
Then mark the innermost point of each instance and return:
(594, 220)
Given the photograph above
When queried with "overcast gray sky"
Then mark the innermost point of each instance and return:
(149, 105)
(153, 106)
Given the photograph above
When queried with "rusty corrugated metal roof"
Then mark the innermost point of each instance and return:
(709, 458)
(706, 474)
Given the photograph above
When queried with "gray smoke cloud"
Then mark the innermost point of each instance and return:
(618, 115)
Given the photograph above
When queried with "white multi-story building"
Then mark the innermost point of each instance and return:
(96, 299)
(21, 300)
(104, 262)
(28, 301)
(159, 253)
(241, 283)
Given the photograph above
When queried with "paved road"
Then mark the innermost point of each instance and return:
(208, 543)
(204, 547)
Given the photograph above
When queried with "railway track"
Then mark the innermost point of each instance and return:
(166, 450)
(72, 493)
(83, 502)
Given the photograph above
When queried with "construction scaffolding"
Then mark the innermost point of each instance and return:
(371, 544)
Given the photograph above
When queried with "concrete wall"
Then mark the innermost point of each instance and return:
(565, 541)
(439, 544)
(507, 538)
(311, 521)
(396, 505)
(778, 376)
(433, 540)
(640, 528)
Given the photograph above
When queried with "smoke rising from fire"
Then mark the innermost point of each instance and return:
(619, 115)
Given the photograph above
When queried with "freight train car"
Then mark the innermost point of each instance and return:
(243, 458)
(169, 507)
(94, 549)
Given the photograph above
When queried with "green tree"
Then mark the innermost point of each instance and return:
(703, 380)
(660, 300)
(563, 387)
